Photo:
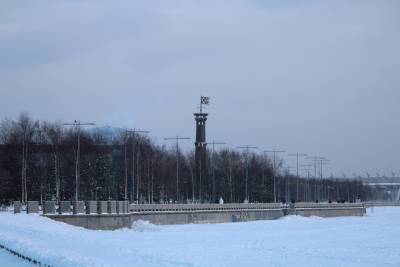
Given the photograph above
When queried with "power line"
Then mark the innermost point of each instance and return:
(78, 124)
(297, 155)
(307, 167)
(177, 138)
(321, 161)
(314, 159)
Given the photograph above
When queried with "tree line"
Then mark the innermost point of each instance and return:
(38, 161)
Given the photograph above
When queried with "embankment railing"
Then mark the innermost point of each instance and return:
(123, 207)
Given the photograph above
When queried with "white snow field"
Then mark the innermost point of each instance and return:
(8, 260)
(373, 240)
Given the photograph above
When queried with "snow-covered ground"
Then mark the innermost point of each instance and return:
(8, 260)
(373, 240)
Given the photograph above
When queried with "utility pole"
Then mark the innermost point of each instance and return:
(306, 168)
(318, 160)
(213, 143)
(297, 155)
(263, 168)
(314, 159)
(133, 132)
(274, 167)
(323, 161)
(78, 124)
(177, 138)
(287, 186)
(56, 162)
(247, 149)
(24, 192)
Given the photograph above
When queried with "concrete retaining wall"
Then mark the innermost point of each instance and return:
(95, 221)
(117, 221)
(329, 210)
(382, 204)
(338, 212)
(204, 213)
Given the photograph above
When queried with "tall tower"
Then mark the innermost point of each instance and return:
(201, 146)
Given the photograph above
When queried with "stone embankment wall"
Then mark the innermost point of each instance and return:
(204, 213)
(329, 210)
(371, 204)
(111, 215)
(174, 214)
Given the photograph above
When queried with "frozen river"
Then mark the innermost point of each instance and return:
(373, 240)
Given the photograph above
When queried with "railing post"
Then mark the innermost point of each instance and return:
(49, 207)
(17, 206)
(78, 207)
(112, 207)
(64, 207)
(32, 207)
(101, 207)
(91, 207)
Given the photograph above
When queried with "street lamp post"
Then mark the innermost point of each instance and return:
(297, 155)
(133, 132)
(177, 138)
(213, 143)
(247, 149)
(274, 167)
(78, 124)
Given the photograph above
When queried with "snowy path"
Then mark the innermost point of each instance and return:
(8, 260)
(373, 240)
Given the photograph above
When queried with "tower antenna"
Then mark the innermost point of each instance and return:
(204, 100)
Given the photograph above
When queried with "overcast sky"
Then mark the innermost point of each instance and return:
(317, 77)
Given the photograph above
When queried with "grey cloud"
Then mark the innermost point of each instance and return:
(317, 77)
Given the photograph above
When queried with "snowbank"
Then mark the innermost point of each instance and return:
(373, 240)
(144, 226)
